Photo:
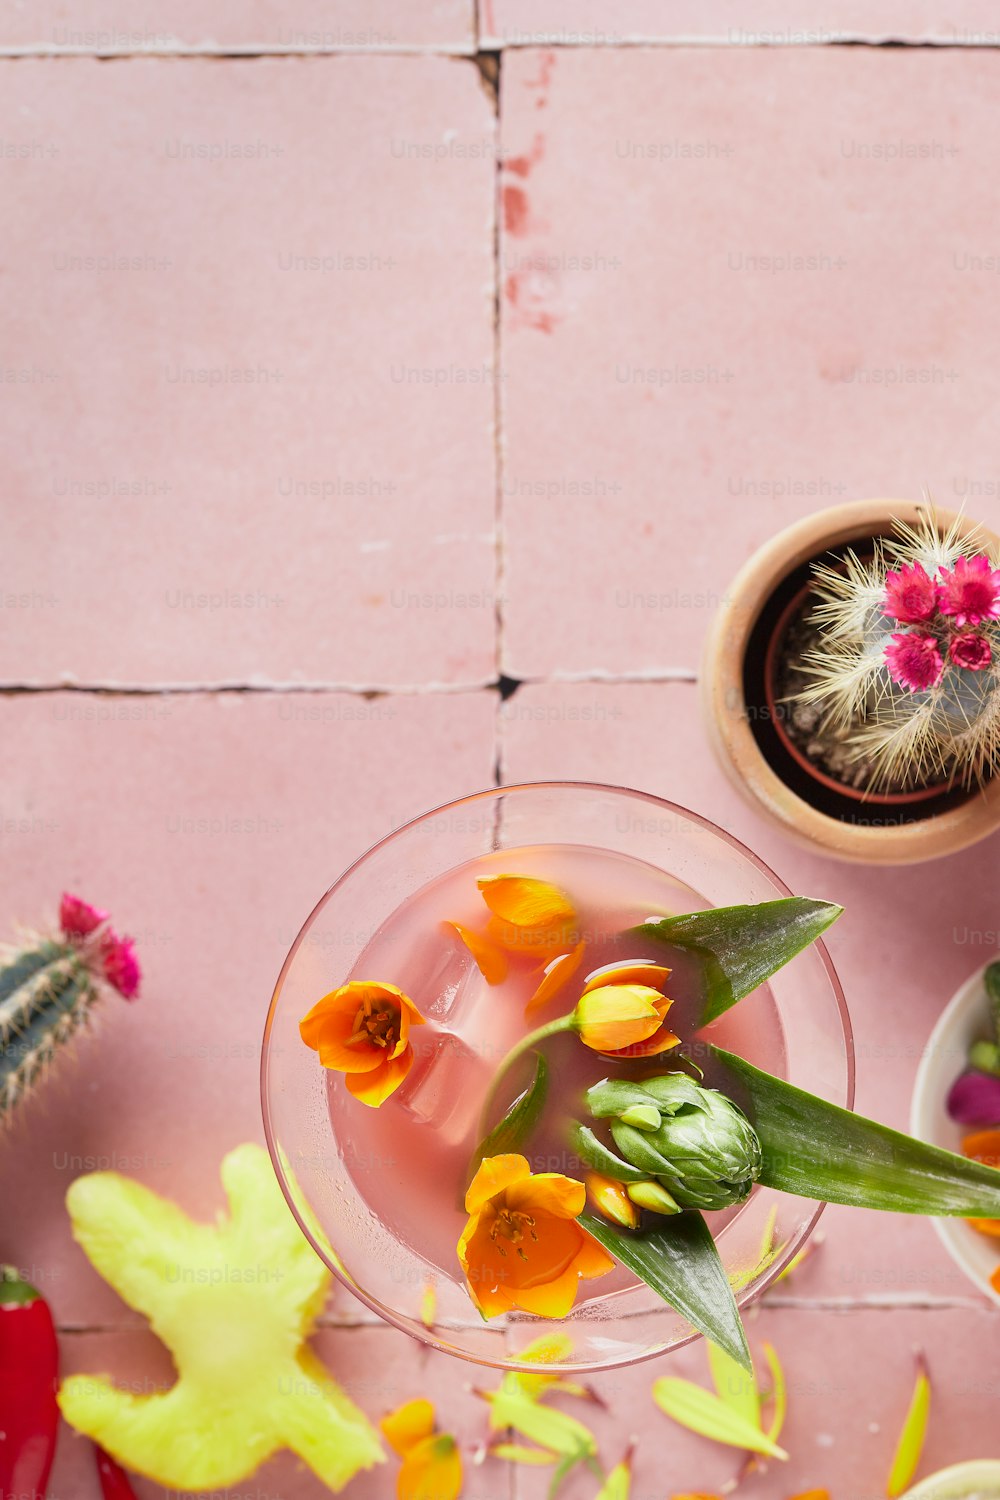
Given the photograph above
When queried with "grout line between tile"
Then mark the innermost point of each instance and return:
(357, 689)
(494, 46)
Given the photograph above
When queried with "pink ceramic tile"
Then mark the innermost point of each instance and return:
(714, 323)
(904, 945)
(111, 26)
(209, 827)
(601, 23)
(849, 1381)
(249, 390)
(378, 1368)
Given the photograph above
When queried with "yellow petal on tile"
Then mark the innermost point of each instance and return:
(557, 975)
(491, 960)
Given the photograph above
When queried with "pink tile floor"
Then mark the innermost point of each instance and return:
(336, 386)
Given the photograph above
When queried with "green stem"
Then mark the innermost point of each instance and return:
(551, 1028)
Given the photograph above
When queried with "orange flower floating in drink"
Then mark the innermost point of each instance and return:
(522, 1247)
(363, 1031)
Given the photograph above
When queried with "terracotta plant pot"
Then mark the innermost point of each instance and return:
(743, 717)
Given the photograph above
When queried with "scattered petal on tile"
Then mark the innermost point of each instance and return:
(210, 827)
(605, 23)
(115, 26)
(842, 1370)
(714, 323)
(249, 391)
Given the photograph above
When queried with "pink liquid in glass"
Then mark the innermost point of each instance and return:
(409, 1159)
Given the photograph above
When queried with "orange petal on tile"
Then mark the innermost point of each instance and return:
(557, 974)
(653, 975)
(431, 1471)
(525, 901)
(408, 1425)
(491, 960)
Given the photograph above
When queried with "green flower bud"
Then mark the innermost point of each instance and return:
(642, 1116)
(705, 1151)
(652, 1196)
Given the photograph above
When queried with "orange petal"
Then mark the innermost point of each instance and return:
(660, 1041)
(654, 975)
(983, 1146)
(548, 1193)
(558, 973)
(431, 1471)
(363, 1057)
(494, 1174)
(593, 1260)
(995, 1280)
(408, 1425)
(375, 1087)
(812, 1495)
(526, 902)
(491, 960)
(337, 1004)
(555, 1297)
(986, 1226)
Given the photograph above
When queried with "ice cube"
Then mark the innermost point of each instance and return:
(442, 977)
(445, 1088)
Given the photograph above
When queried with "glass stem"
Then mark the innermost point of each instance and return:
(526, 1044)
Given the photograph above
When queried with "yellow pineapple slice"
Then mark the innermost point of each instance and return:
(233, 1302)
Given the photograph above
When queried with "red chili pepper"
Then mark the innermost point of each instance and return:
(29, 1374)
(114, 1481)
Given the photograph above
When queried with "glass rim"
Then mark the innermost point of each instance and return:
(426, 1336)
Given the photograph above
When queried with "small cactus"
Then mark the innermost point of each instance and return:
(49, 986)
(909, 657)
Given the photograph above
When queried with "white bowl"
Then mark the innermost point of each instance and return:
(979, 1476)
(964, 1020)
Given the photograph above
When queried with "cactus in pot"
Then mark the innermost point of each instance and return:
(50, 985)
(908, 660)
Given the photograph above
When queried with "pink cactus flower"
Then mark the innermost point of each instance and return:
(121, 967)
(911, 595)
(914, 661)
(971, 651)
(970, 590)
(78, 918)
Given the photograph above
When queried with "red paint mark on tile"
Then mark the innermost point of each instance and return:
(546, 63)
(526, 296)
(515, 210)
(523, 166)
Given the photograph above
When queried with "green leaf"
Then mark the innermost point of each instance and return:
(702, 1412)
(734, 1385)
(600, 1158)
(680, 1262)
(911, 1439)
(818, 1150)
(519, 1121)
(741, 946)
